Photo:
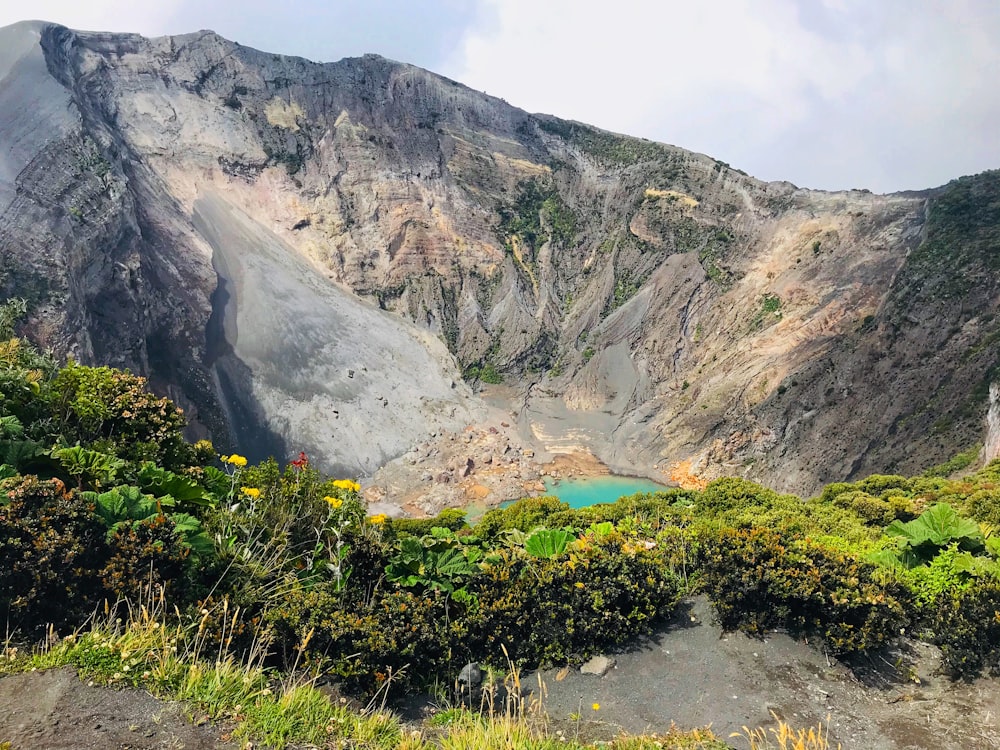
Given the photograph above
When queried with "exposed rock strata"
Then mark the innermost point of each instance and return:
(651, 304)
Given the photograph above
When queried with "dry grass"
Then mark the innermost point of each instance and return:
(784, 737)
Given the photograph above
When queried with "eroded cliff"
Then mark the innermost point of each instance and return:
(652, 304)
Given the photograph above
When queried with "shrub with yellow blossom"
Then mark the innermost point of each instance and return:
(347, 485)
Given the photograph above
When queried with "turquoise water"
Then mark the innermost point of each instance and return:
(581, 492)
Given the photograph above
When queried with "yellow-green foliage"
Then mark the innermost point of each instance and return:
(115, 412)
(177, 660)
(521, 728)
(523, 515)
(759, 581)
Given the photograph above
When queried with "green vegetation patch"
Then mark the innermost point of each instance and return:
(768, 313)
(251, 565)
(537, 215)
(962, 240)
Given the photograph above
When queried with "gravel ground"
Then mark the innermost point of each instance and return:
(692, 674)
(55, 710)
(687, 673)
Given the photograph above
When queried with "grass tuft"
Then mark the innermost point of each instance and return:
(784, 737)
(172, 660)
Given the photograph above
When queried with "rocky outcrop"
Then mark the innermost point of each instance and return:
(651, 304)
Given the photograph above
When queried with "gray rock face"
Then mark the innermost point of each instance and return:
(248, 229)
(470, 675)
(284, 369)
(598, 665)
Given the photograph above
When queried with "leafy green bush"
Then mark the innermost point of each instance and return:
(937, 527)
(112, 411)
(738, 503)
(144, 556)
(983, 504)
(547, 543)
(52, 548)
(451, 518)
(876, 511)
(966, 625)
(523, 515)
(60, 559)
(398, 633)
(433, 563)
(760, 580)
(948, 574)
(566, 609)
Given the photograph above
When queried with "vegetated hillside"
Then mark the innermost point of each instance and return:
(650, 303)
(256, 583)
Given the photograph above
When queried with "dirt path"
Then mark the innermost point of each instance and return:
(54, 710)
(688, 673)
(692, 674)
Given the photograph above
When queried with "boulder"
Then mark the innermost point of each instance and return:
(599, 665)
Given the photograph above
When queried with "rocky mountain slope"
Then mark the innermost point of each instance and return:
(312, 256)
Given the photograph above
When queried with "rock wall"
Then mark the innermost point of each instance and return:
(650, 303)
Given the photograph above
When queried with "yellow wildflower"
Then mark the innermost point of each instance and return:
(596, 707)
(235, 460)
(379, 519)
(347, 484)
(579, 584)
(335, 502)
(250, 492)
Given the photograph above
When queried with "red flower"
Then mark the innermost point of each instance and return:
(301, 462)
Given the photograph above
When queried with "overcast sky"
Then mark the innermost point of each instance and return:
(883, 94)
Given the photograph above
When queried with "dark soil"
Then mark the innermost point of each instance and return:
(688, 673)
(693, 674)
(55, 710)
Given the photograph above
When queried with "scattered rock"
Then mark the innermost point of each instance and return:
(471, 675)
(478, 492)
(470, 465)
(599, 665)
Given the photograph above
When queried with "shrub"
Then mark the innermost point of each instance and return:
(51, 551)
(876, 511)
(451, 518)
(397, 633)
(984, 505)
(558, 610)
(732, 493)
(277, 522)
(112, 411)
(966, 625)
(524, 515)
(937, 527)
(760, 581)
(145, 555)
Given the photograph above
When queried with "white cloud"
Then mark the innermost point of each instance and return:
(838, 94)
(93, 15)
